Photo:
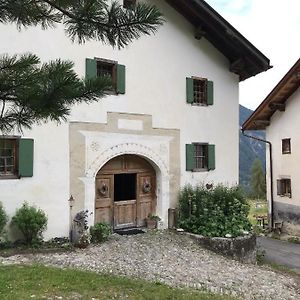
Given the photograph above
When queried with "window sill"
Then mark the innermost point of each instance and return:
(199, 104)
(200, 170)
(4, 177)
(285, 196)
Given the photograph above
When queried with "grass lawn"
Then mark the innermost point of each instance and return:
(259, 208)
(39, 282)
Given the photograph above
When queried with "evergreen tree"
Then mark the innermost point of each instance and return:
(31, 92)
(258, 180)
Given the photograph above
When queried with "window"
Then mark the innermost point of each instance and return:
(16, 157)
(199, 91)
(100, 67)
(286, 146)
(284, 187)
(200, 157)
(8, 157)
(129, 4)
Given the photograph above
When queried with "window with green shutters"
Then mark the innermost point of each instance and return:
(200, 157)
(16, 157)
(103, 67)
(199, 91)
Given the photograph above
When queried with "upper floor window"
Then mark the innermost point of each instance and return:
(16, 157)
(286, 146)
(99, 67)
(129, 4)
(199, 91)
(200, 157)
(284, 187)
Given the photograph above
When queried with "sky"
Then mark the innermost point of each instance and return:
(272, 26)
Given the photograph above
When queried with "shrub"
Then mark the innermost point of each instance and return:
(216, 212)
(3, 218)
(100, 232)
(31, 222)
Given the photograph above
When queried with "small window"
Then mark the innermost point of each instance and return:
(200, 157)
(16, 157)
(8, 157)
(107, 68)
(99, 67)
(129, 4)
(286, 146)
(200, 94)
(284, 187)
(199, 91)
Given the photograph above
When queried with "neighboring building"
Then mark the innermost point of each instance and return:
(171, 119)
(278, 114)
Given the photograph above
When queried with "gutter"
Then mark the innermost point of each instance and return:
(271, 175)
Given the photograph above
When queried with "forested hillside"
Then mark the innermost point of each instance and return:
(249, 150)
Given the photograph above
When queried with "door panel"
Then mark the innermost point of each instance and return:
(124, 214)
(146, 197)
(104, 199)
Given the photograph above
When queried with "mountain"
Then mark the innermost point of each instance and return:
(249, 150)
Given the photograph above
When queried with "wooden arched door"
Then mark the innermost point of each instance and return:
(125, 192)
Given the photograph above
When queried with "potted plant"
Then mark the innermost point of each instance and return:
(151, 221)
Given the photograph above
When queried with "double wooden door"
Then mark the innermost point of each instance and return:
(125, 196)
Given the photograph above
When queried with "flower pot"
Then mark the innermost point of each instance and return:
(151, 223)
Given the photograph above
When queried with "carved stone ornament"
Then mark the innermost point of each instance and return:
(146, 187)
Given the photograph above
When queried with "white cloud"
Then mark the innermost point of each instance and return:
(273, 27)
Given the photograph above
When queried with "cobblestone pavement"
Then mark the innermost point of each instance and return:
(175, 260)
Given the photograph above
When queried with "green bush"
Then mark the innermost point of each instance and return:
(31, 222)
(100, 232)
(3, 218)
(214, 212)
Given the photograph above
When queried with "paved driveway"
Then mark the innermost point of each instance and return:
(281, 252)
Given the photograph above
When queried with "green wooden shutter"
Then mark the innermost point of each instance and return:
(90, 68)
(25, 157)
(121, 79)
(190, 157)
(189, 90)
(211, 157)
(210, 93)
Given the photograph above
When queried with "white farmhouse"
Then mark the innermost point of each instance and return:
(278, 114)
(172, 119)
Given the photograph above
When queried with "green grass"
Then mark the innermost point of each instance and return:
(262, 210)
(39, 282)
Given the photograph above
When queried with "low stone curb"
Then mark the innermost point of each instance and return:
(241, 248)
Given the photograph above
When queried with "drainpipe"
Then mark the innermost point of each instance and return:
(271, 174)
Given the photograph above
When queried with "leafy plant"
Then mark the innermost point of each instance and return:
(153, 217)
(3, 218)
(214, 212)
(100, 232)
(294, 239)
(31, 222)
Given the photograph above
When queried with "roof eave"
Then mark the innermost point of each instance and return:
(260, 118)
(245, 59)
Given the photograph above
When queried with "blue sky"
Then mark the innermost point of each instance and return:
(273, 26)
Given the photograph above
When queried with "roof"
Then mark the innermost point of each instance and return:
(245, 59)
(276, 100)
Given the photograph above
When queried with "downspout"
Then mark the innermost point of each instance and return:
(271, 174)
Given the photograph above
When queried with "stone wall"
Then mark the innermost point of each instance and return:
(241, 248)
(289, 215)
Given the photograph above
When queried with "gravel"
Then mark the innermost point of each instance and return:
(175, 260)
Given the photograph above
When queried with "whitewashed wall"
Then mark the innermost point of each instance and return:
(156, 68)
(286, 125)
